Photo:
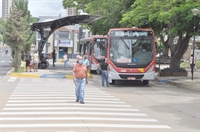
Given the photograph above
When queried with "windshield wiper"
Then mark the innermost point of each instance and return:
(125, 43)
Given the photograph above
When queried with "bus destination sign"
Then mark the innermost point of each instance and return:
(130, 33)
(100, 39)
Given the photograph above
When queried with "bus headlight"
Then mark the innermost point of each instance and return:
(112, 69)
(151, 68)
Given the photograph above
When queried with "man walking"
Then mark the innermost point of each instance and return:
(80, 78)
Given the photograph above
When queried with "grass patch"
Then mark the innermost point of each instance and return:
(18, 71)
(198, 64)
(187, 65)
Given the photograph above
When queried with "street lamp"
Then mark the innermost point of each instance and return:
(195, 12)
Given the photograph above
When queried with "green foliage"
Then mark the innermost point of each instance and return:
(174, 16)
(159, 48)
(16, 30)
(111, 10)
(1, 38)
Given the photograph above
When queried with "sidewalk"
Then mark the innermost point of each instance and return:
(58, 71)
(181, 81)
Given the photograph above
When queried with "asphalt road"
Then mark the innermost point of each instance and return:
(4, 61)
(48, 105)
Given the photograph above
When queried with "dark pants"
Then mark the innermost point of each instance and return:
(192, 67)
(104, 76)
(54, 60)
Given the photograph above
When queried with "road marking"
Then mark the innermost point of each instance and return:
(43, 107)
(71, 108)
(72, 113)
(54, 92)
(12, 79)
(13, 98)
(76, 118)
(82, 125)
(62, 101)
(59, 95)
(68, 104)
(2, 61)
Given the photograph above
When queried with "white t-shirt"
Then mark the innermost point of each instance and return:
(191, 60)
(65, 57)
(35, 57)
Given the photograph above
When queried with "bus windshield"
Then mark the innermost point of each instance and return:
(137, 50)
(99, 48)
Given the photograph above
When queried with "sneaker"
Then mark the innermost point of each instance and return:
(77, 100)
(82, 102)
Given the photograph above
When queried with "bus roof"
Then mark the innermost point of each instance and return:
(96, 36)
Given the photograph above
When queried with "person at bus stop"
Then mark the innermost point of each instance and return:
(192, 65)
(6, 50)
(65, 59)
(105, 71)
(80, 78)
(54, 57)
(27, 59)
(35, 61)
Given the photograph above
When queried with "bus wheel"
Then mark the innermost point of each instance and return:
(145, 82)
(113, 82)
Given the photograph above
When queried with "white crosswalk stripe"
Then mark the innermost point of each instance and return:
(39, 107)
(12, 79)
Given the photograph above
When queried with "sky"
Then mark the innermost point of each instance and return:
(43, 8)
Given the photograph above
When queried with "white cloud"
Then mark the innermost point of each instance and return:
(46, 8)
(43, 8)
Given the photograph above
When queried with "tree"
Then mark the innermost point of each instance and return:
(174, 15)
(16, 30)
(111, 10)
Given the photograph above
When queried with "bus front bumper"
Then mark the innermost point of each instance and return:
(133, 76)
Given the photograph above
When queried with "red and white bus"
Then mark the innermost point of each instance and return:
(131, 54)
(95, 48)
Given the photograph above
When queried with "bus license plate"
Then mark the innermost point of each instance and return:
(131, 78)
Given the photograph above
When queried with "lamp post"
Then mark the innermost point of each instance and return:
(195, 12)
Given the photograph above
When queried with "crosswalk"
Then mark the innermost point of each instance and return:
(52, 107)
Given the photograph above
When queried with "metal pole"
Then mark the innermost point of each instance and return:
(159, 53)
(72, 38)
(192, 70)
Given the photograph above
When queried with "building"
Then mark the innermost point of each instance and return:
(71, 11)
(6, 5)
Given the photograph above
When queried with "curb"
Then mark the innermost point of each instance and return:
(25, 75)
(183, 85)
(180, 85)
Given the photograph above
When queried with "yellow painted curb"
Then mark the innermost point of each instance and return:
(89, 75)
(25, 75)
(69, 76)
